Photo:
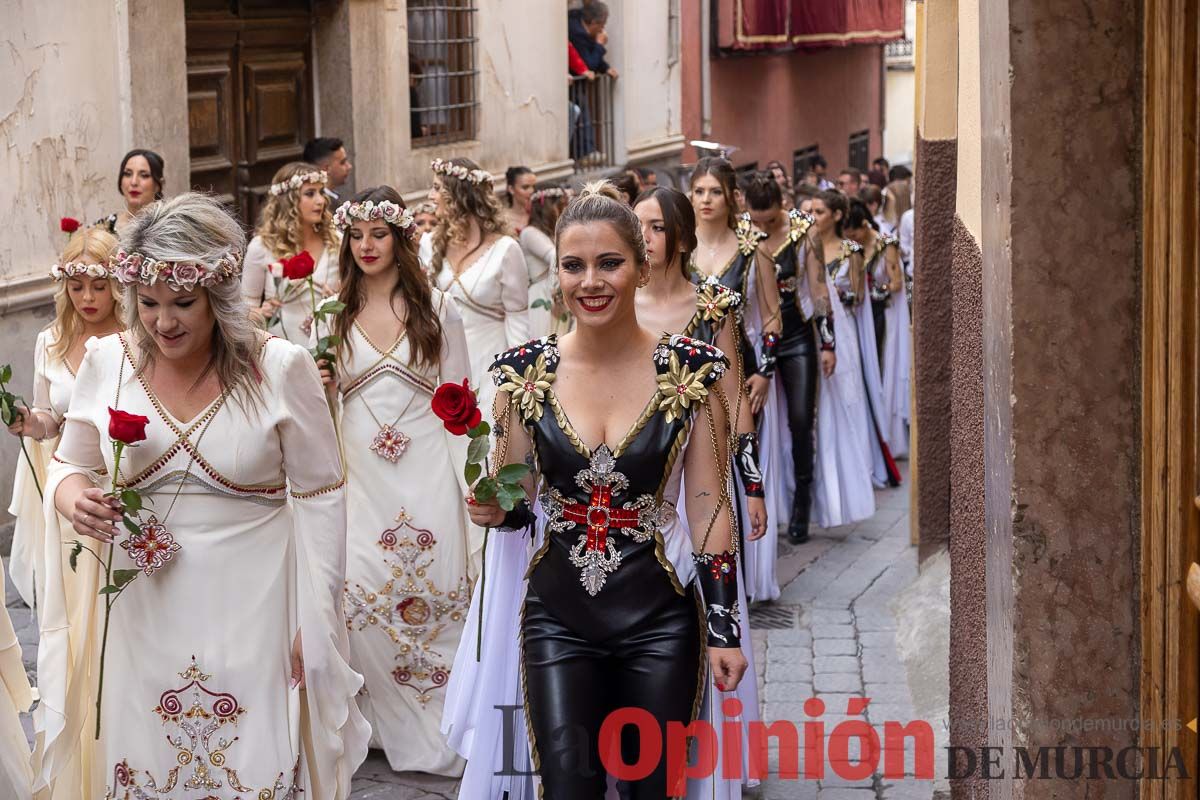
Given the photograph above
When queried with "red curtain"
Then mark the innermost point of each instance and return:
(791, 24)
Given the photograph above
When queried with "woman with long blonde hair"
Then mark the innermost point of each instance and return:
(295, 219)
(476, 261)
(235, 611)
(87, 305)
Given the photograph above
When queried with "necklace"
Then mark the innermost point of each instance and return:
(390, 443)
(154, 536)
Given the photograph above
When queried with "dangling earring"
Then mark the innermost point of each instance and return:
(644, 282)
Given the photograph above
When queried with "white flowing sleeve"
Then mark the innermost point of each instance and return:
(425, 253)
(68, 646)
(539, 249)
(41, 378)
(454, 366)
(514, 294)
(254, 272)
(906, 239)
(334, 729)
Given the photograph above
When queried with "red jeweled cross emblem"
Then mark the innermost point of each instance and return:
(600, 516)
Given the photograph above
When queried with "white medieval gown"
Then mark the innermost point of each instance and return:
(842, 490)
(492, 295)
(297, 302)
(409, 541)
(53, 382)
(16, 696)
(539, 256)
(197, 695)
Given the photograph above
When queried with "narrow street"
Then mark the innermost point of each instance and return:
(832, 635)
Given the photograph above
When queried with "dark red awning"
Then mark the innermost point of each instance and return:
(765, 25)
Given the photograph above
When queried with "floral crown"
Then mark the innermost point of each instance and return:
(553, 193)
(296, 181)
(425, 207)
(370, 211)
(78, 269)
(182, 276)
(477, 176)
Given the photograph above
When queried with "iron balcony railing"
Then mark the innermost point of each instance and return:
(591, 131)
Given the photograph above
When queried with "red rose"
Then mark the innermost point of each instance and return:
(68, 224)
(298, 267)
(127, 428)
(457, 407)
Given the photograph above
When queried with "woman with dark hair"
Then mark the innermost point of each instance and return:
(519, 185)
(808, 333)
(408, 538)
(885, 280)
(727, 250)
(872, 197)
(779, 174)
(610, 613)
(140, 182)
(476, 261)
(842, 485)
(704, 311)
(883, 467)
(629, 185)
(537, 242)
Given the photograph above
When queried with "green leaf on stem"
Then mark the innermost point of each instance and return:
(485, 490)
(512, 473)
(75, 551)
(110, 589)
(478, 449)
(5, 373)
(541, 302)
(131, 500)
(131, 525)
(508, 496)
(6, 410)
(482, 429)
(472, 472)
(123, 576)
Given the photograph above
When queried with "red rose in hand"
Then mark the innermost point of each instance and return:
(126, 428)
(298, 267)
(68, 224)
(457, 407)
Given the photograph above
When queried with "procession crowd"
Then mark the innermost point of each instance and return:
(375, 473)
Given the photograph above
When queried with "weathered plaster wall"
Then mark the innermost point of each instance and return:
(523, 109)
(649, 92)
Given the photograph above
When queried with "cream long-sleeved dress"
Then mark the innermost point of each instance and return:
(197, 696)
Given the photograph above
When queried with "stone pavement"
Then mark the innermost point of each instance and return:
(830, 635)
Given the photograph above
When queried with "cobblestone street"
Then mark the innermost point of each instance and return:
(831, 635)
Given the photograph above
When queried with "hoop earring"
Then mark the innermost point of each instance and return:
(644, 282)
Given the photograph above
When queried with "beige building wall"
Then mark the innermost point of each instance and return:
(646, 50)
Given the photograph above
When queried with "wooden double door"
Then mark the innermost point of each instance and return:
(250, 94)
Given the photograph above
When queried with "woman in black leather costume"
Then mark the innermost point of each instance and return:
(807, 327)
(612, 617)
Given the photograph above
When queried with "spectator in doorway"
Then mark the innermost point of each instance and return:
(817, 165)
(585, 28)
(329, 153)
(849, 182)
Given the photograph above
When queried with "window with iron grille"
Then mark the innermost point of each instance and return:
(801, 161)
(860, 143)
(443, 102)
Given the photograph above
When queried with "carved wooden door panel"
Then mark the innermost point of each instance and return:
(250, 100)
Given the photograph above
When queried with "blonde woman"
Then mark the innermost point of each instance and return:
(475, 260)
(86, 306)
(243, 625)
(296, 219)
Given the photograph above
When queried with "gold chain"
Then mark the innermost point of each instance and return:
(722, 474)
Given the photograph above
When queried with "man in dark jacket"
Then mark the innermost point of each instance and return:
(585, 29)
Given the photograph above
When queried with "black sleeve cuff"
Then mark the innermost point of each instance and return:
(519, 518)
(716, 573)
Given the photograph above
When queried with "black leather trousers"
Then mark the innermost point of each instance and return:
(797, 368)
(636, 644)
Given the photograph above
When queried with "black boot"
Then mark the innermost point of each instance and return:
(798, 527)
